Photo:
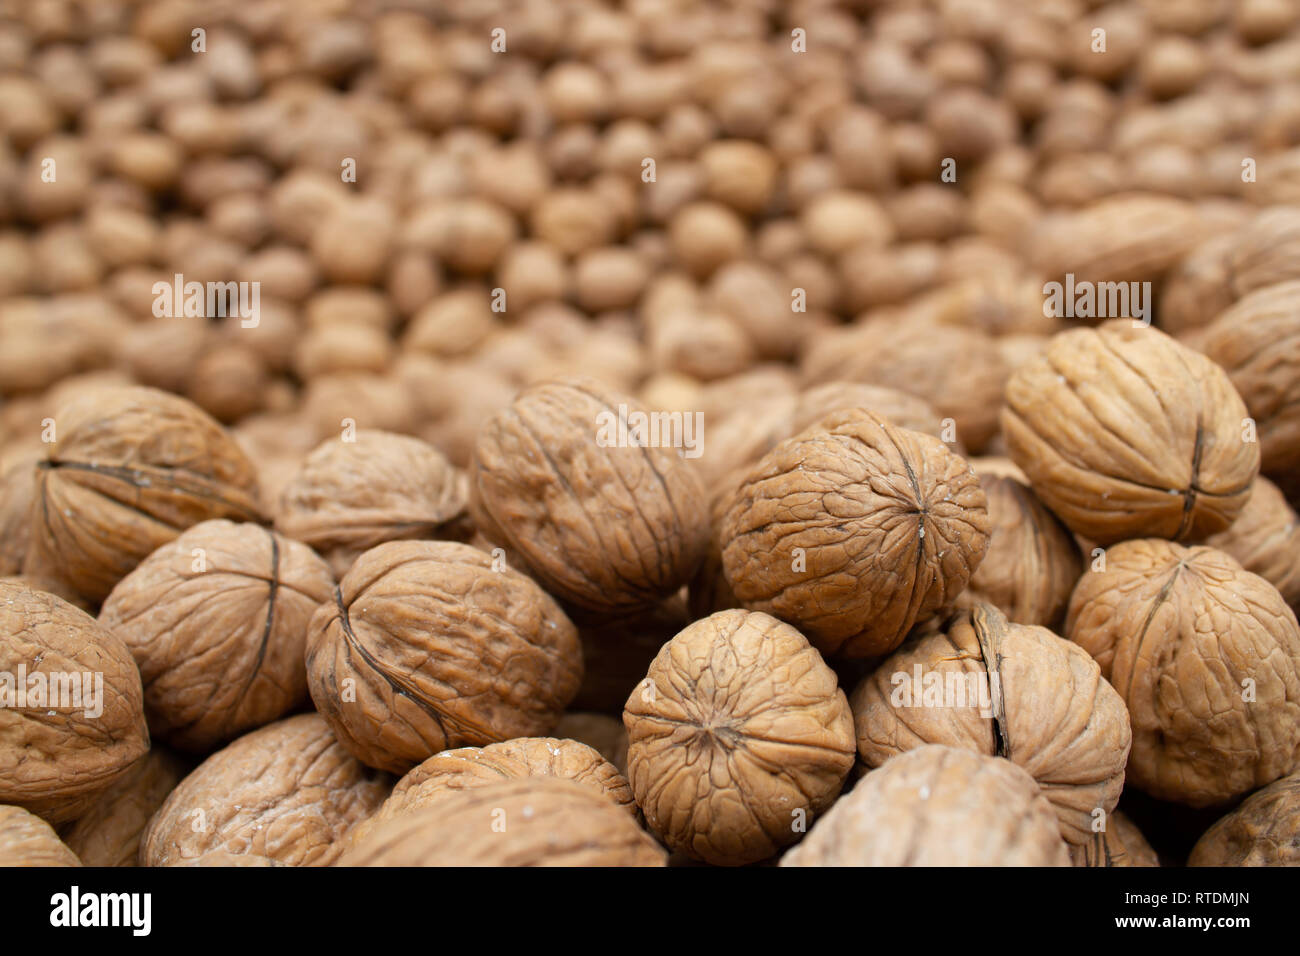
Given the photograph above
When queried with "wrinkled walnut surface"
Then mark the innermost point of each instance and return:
(1121, 843)
(27, 840)
(1263, 831)
(109, 833)
(1265, 538)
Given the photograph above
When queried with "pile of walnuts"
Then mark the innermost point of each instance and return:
(654, 432)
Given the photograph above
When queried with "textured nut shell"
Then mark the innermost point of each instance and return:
(220, 650)
(132, 468)
(1176, 631)
(288, 791)
(1120, 844)
(444, 652)
(1263, 831)
(937, 806)
(222, 858)
(17, 491)
(1048, 711)
(902, 408)
(547, 822)
(109, 833)
(56, 761)
(892, 525)
(739, 724)
(603, 528)
(1124, 432)
(602, 733)
(1265, 539)
(27, 840)
(350, 496)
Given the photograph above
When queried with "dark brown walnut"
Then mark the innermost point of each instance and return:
(288, 791)
(1120, 843)
(1033, 561)
(1207, 658)
(1263, 831)
(617, 650)
(854, 531)
(352, 495)
(1005, 690)
(528, 821)
(108, 834)
(433, 644)
(937, 806)
(28, 841)
(738, 735)
(604, 734)
(1265, 538)
(217, 622)
(132, 468)
(1257, 342)
(1124, 432)
(605, 524)
(61, 750)
(902, 408)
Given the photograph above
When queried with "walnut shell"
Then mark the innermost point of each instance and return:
(1124, 432)
(17, 491)
(530, 821)
(902, 408)
(606, 528)
(1265, 538)
(1120, 843)
(223, 858)
(937, 806)
(604, 734)
(132, 468)
(1005, 690)
(854, 531)
(1263, 831)
(56, 759)
(427, 645)
(109, 833)
(738, 734)
(27, 840)
(1186, 635)
(216, 621)
(288, 791)
(352, 495)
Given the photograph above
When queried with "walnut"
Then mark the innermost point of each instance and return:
(1207, 658)
(429, 645)
(901, 408)
(1005, 690)
(1263, 831)
(726, 701)
(562, 478)
(529, 821)
(937, 806)
(131, 469)
(1120, 843)
(604, 734)
(27, 840)
(352, 495)
(224, 858)
(1124, 432)
(1033, 561)
(288, 791)
(71, 709)
(216, 621)
(17, 491)
(108, 834)
(855, 530)
(1265, 538)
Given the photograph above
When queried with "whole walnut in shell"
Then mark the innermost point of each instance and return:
(352, 495)
(854, 531)
(288, 791)
(216, 621)
(902, 408)
(1121, 843)
(564, 478)
(1263, 831)
(737, 736)
(1124, 432)
(937, 806)
(108, 834)
(1265, 538)
(71, 706)
(1207, 658)
(431, 644)
(28, 841)
(528, 821)
(1005, 690)
(131, 469)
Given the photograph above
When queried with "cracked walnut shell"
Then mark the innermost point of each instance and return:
(1263, 831)
(937, 806)
(854, 531)
(737, 736)
(1124, 432)
(1206, 656)
(216, 621)
(429, 645)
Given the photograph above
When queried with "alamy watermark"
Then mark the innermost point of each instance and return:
(638, 429)
(54, 690)
(947, 689)
(1098, 300)
(213, 300)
